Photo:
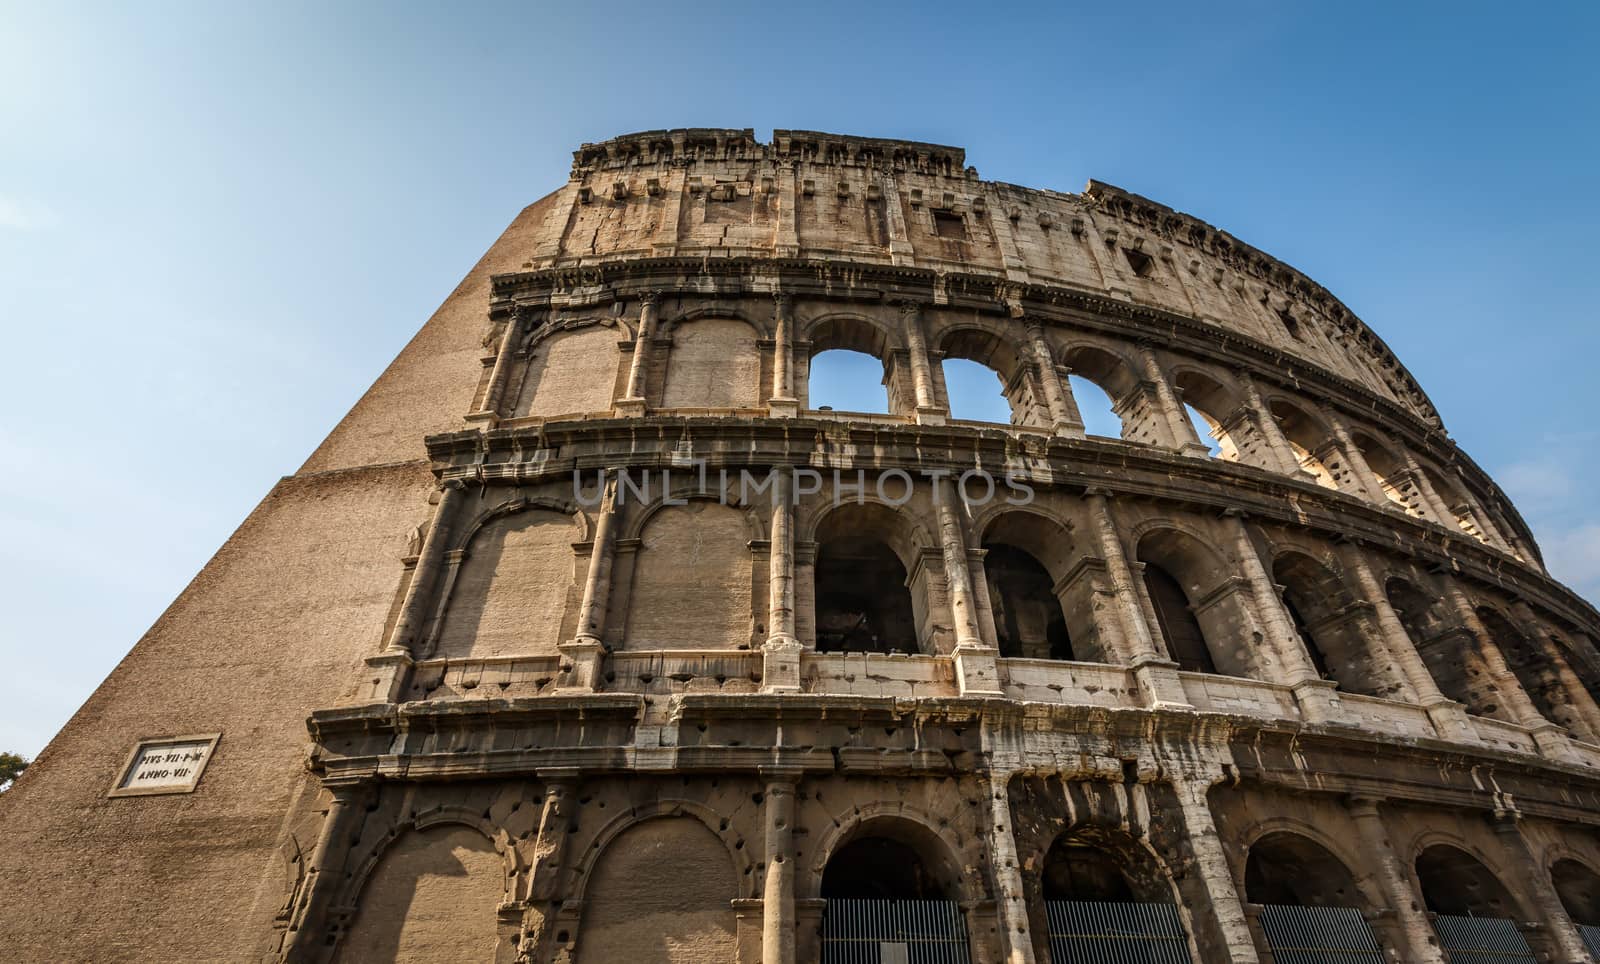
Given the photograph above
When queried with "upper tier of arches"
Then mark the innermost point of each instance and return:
(1066, 375)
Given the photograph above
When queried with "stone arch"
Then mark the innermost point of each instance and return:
(860, 335)
(995, 350)
(429, 891)
(1307, 434)
(938, 849)
(1334, 625)
(1390, 468)
(571, 370)
(1578, 886)
(714, 362)
(1096, 862)
(1220, 406)
(1288, 862)
(1532, 666)
(1038, 612)
(513, 586)
(693, 579)
(870, 582)
(1455, 879)
(1441, 646)
(630, 912)
(1192, 602)
(1119, 379)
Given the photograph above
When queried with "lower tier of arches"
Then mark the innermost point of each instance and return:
(936, 832)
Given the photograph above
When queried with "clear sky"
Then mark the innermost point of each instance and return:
(219, 221)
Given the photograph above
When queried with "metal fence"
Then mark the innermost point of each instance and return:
(1482, 940)
(1319, 935)
(894, 932)
(1103, 932)
(1591, 938)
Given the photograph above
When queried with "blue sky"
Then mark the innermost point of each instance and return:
(218, 221)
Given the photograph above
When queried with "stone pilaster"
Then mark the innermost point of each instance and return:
(586, 650)
(1215, 874)
(1063, 410)
(783, 403)
(306, 941)
(1157, 674)
(1016, 943)
(976, 673)
(780, 660)
(777, 894)
(1413, 931)
(1559, 932)
(546, 863)
(928, 409)
(1180, 429)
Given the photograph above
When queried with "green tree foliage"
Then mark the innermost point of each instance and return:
(11, 766)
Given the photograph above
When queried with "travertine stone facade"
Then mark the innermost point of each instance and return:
(731, 688)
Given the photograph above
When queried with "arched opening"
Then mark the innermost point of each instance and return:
(1391, 473)
(1309, 901)
(1306, 437)
(1028, 619)
(1471, 908)
(973, 393)
(1208, 403)
(892, 883)
(1104, 895)
(1533, 668)
(1175, 618)
(1458, 504)
(863, 600)
(1203, 614)
(1095, 407)
(1109, 396)
(570, 372)
(847, 381)
(973, 362)
(1579, 890)
(512, 591)
(1331, 623)
(1455, 668)
(844, 358)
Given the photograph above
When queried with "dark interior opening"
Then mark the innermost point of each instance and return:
(862, 602)
(948, 224)
(1179, 627)
(1073, 871)
(1027, 615)
(1140, 262)
(1579, 890)
(1454, 882)
(1287, 869)
(878, 868)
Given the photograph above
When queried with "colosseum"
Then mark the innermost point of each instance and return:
(590, 635)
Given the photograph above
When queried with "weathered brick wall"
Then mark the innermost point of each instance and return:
(431, 898)
(512, 591)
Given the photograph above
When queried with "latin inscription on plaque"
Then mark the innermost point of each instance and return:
(166, 765)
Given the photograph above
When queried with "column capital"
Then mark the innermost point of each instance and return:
(649, 298)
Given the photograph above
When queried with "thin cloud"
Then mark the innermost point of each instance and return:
(22, 214)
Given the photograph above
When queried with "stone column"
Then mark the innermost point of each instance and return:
(976, 672)
(1270, 429)
(309, 921)
(1156, 673)
(783, 403)
(1437, 510)
(1016, 943)
(921, 376)
(1184, 437)
(587, 649)
(1560, 933)
(502, 364)
(777, 895)
(1413, 930)
(634, 402)
(1316, 696)
(1215, 875)
(780, 660)
(1449, 717)
(1583, 705)
(546, 862)
(1063, 411)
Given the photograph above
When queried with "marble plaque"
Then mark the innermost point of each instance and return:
(165, 765)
